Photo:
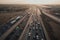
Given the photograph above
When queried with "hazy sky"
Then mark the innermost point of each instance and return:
(29, 1)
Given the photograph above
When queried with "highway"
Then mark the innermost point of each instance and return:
(33, 24)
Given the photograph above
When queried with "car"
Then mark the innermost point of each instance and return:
(12, 22)
(37, 37)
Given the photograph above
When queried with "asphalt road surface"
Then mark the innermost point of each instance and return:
(33, 25)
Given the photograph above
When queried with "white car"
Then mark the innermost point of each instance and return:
(37, 37)
(29, 34)
(18, 17)
(13, 21)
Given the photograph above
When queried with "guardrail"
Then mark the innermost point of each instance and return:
(43, 26)
(11, 29)
(51, 16)
(25, 29)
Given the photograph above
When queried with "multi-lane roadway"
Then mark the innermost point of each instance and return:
(30, 26)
